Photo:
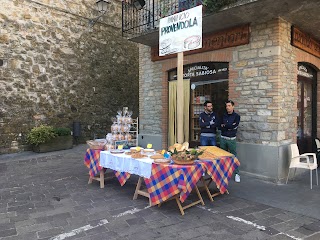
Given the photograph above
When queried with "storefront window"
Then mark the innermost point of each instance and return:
(306, 130)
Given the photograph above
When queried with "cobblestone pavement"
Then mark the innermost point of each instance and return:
(48, 197)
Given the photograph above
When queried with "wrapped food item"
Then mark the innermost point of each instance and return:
(128, 137)
(97, 144)
(179, 147)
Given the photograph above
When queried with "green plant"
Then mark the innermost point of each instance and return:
(186, 155)
(216, 5)
(41, 134)
(62, 131)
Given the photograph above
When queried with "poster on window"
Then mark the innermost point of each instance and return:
(181, 32)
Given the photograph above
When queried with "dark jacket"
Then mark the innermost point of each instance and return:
(231, 123)
(204, 122)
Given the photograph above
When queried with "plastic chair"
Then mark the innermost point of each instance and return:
(305, 163)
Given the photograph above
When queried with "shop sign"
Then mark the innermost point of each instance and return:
(231, 37)
(211, 70)
(305, 42)
(303, 71)
(181, 32)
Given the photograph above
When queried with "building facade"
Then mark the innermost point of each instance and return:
(273, 68)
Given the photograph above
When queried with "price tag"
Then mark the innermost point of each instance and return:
(138, 149)
(149, 145)
(163, 151)
(120, 147)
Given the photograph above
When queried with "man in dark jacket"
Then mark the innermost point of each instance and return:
(208, 122)
(229, 126)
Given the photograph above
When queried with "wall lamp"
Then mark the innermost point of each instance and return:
(101, 6)
(139, 4)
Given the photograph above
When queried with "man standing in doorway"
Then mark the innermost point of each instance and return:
(208, 123)
(229, 127)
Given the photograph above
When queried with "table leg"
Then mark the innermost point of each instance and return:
(206, 187)
(90, 180)
(182, 208)
(135, 195)
(179, 205)
(141, 192)
(99, 179)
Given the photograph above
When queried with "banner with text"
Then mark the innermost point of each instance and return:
(181, 32)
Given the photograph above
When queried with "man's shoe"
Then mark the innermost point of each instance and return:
(237, 178)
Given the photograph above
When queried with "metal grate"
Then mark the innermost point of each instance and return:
(139, 22)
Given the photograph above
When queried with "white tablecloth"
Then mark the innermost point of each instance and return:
(124, 163)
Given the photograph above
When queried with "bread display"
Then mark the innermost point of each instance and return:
(179, 147)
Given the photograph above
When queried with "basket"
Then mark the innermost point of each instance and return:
(181, 162)
(97, 144)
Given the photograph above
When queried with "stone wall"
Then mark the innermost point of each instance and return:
(266, 85)
(150, 91)
(57, 70)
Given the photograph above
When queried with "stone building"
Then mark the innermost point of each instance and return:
(268, 56)
(56, 68)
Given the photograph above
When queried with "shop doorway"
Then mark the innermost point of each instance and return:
(307, 99)
(215, 91)
(202, 81)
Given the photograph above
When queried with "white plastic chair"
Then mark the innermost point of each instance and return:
(303, 161)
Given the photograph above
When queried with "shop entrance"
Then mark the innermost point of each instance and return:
(215, 91)
(307, 99)
(202, 81)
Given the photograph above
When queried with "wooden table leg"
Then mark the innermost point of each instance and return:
(90, 180)
(102, 178)
(182, 208)
(206, 187)
(179, 205)
(99, 179)
(142, 192)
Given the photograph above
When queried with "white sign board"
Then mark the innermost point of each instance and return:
(181, 32)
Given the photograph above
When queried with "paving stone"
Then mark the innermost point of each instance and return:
(286, 216)
(135, 221)
(304, 231)
(281, 237)
(221, 235)
(26, 236)
(8, 232)
(296, 223)
(77, 236)
(283, 227)
(23, 223)
(49, 233)
(21, 208)
(19, 217)
(269, 221)
(315, 226)
(296, 234)
(313, 237)
(271, 231)
(272, 211)
(251, 210)
(255, 235)
(32, 228)
(97, 230)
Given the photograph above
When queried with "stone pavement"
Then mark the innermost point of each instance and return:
(46, 196)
